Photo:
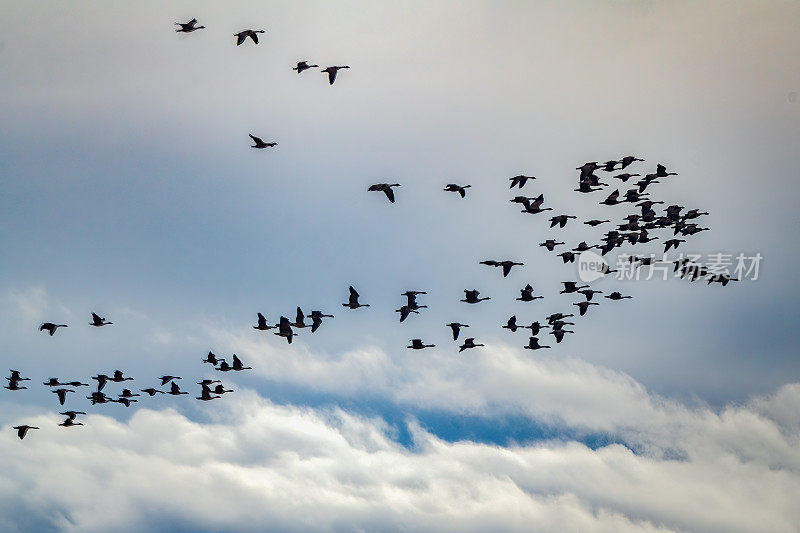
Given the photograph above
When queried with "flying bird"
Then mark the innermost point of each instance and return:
(97, 321)
(471, 297)
(50, 327)
(188, 27)
(332, 72)
(243, 35)
(261, 326)
(460, 189)
(352, 303)
(23, 430)
(386, 188)
(258, 143)
(468, 343)
(417, 344)
(302, 65)
(520, 181)
(456, 327)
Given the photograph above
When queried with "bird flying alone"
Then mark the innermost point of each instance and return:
(460, 189)
(258, 143)
(50, 327)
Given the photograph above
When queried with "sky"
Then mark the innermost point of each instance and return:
(128, 188)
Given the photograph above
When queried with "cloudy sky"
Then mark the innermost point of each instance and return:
(127, 187)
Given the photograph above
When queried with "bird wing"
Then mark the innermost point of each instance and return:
(254, 36)
(332, 76)
(255, 139)
(389, 194)
(96, 318)
(506, 269)
(240, 37)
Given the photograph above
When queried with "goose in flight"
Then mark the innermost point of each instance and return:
(526, 294)
(627, 160)
(243, 35)
(101, 381)
(316, 319)
(533, 344)
(405, 311)
(23, 430)
(69, 422)
(300, 319)
(152, 392)
(460, 189)
(205, 394)
(610, 166)
(238, 366)
(211, 357)
(98, 397)
(507, 265)
(50, 327)
(175, 390)
(412, 299)
(550, 244)
(302, 65)
(62, 394)
(520, 181)
(167, 379)
(613, 198)
(661, 171)
(471, 297)
(669, 243)
(75, 384)
(219, 389)
(258, 143)
(511, 324)
(583, 306)
(559, 324)
(567, 257)
(126, 393)
(13, 384)
(417, 344)
(352, 303)
(587, 169)
(589, 293)
(560, 220)
(468, 343)
(557, 316)
(16, 376)
(559, 334)
(617, 296)
(284, 330)
(97, 321)
(586, 187)
(722, 279)
(571, 286)
(533, 209)
(386, 188)
(118, 377)
(53, 382)
(332, 72)
(625, 177)
(188, 27)
(456, 327)
(582, 247)
(535, 327)
(261, 326)
(125, 401)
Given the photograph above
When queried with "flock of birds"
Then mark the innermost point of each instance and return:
(633, 229)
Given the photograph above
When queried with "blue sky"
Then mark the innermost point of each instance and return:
(128, 188)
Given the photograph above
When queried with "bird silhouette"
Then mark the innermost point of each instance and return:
(97, 321)
(188, 27)
(468, 343)
(533, 344)
(62, 394)
(262, 326)
(471, 297)
(353, 301)
(460, 189)
(259, 143)
(302, 65)
(520, 181)
(385, 188)
(331, 71)
(23, 430)
(50, 327)
(284, 330)
(456, 327)
(243, 35)
(417, 344)
(316, 319)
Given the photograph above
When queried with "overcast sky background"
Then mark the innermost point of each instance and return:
(127, 187)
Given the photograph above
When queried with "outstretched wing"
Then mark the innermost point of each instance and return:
(240, 37)
(332, 75)
(389, 194)
(506, 269)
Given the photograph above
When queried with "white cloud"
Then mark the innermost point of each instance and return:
(257, 466)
